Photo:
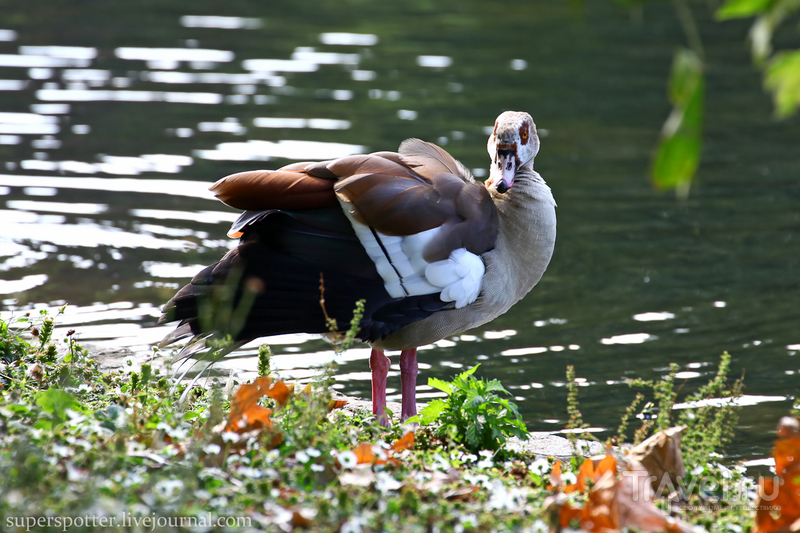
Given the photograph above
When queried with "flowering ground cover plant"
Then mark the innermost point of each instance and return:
(86, 450)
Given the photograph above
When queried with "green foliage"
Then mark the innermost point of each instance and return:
(709, 419)
(54, 403)
(678, 153)
(630, 413)
(782, 78)
(732, 9)
(710, 424)
(575, 418)
(781, 70)
(12, 344)
(472, 415)
(75, 440)
(264, 355)
(342, 341)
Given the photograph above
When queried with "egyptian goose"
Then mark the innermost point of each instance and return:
(431, 251)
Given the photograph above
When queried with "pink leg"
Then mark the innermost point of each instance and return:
(379, 364)
(408, 383)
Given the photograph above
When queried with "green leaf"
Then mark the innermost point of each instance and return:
(733, 9)
(441, 385)
(472, 436)
(686, 77)
(677, 156)
(495, 385)
(469, 372)
(430, 412)
(782, 78)
(676, 161)
(475, 400)
(55, 402)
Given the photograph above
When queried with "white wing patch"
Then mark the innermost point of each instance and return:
(460, 277)
(405, 272)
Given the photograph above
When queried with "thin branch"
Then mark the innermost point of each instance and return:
(690, 28)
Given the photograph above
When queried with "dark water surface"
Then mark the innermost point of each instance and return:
(115, 117)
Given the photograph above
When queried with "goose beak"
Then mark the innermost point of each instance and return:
(504, 168)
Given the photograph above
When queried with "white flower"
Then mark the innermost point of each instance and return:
(212, 449)
(469, 519)
(272, 455)
(168, 489)
(229, 436)
(313, 452)
(485, 463)
(348, 459)
(499, 498)
(470, 458)
(479, 479)
(441, 463)
(385, 483)
(540, 527)
(246, 471)
(351, 526)
(539, 466)
(486, 453)
(302, 457)
(317, 468)
(379, 452)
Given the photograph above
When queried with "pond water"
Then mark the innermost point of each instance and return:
(114, 121)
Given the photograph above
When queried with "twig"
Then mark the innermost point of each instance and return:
(690, 28)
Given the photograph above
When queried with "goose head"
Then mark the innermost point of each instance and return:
(512, 145)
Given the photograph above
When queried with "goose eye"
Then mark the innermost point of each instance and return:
(524, 134)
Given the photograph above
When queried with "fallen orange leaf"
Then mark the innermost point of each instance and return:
(606, 464)
(787, 455)
(246, 415)
(586, 472)
(336, 404)
(778, 507)
(600, 513)
(568, 514)
(614, 502)
(364, 453)
(589, 471)
(406, 441)
(280, 392)
(555, 476)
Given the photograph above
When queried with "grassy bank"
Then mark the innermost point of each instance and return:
(87, 450)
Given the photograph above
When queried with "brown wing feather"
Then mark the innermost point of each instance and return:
(428, 160)
(474, 227)
(278, 189)
(403, 204)
(394, 205)
(372, 164)
(421, 188)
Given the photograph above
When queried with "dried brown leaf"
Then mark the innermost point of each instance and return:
(661, 456)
